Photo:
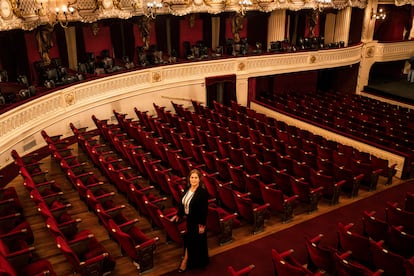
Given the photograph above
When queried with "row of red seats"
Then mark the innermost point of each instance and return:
(387, 132)
(306, 147)
(355, 254)
(272, 155)
(219, 221)
(83, 251)
(17, 253)
(233, 200)
(225, 166)
(383, 244)
(224, 172)
(100, 199)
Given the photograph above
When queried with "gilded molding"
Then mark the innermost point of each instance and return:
(312, 59)
(29, 17)
(70, 98)
(156, 77)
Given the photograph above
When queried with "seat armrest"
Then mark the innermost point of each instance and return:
(316, 239)
(127, 225)
(147, 243)
(291, 199)
(340, 183)
(20, 252)
(261, 207)
(316, 190)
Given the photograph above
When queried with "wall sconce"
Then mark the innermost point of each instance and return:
(152, 7)
(62, 14)
(244, 4)
(381, 14)
(59, 15)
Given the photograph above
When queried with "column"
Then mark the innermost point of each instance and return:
(70, 35)
(368, 25)
(343, 24)
(215, 32)
(276, 26)
(329, 32)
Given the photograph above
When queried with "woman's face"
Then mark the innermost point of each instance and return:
(194, 179)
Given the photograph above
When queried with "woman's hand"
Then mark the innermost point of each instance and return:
(201, 229)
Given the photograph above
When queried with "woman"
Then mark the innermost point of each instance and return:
(193, 207)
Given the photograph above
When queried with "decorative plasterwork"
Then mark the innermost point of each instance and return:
(28, 14)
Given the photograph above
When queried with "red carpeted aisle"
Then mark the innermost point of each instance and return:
(259, 252)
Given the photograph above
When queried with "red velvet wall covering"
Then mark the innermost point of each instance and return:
(229, 30)
(302, 82)
(188, 33)
(33, 53)
(102, 41)
(393, 26)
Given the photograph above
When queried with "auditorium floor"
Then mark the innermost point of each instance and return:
(167, 255)
(400, 90)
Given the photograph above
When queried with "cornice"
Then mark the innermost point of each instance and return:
(28, 14)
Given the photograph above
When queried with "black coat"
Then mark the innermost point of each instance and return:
(194, 242)
(198, 208)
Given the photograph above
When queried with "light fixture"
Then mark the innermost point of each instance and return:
(59, 14)
(62, 14)
(244, 4)
(380, 14)
(152, 7)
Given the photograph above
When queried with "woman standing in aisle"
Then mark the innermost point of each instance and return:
(194, 207)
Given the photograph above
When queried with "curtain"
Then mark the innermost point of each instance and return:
(257, 21)
(117, 38)
(70, 35)
(355, 33)
(175, 34)
(251, 90)
(207, 31)
(13, 56)
(161, 33)
(62, 46)
(80, 43)
(222, 37)
(222, 89)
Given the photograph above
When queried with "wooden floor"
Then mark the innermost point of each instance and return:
(167, 255)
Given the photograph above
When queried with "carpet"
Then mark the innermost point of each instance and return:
(259, 251)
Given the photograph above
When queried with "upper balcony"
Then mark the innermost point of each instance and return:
(53, 111)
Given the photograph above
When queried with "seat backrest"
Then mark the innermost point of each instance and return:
(68, 252)
(285, 266)
(345, 266)
(399, 217)
(225, 194)
(409, 202)
(391, 263)
(354, 242)
(319, 257)
(125, 241)
(374, 227)
(400, 242)
(244, 206)
(6, 269)
(174, 233)
(272, 196)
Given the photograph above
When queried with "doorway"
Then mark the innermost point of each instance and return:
(221, 89)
